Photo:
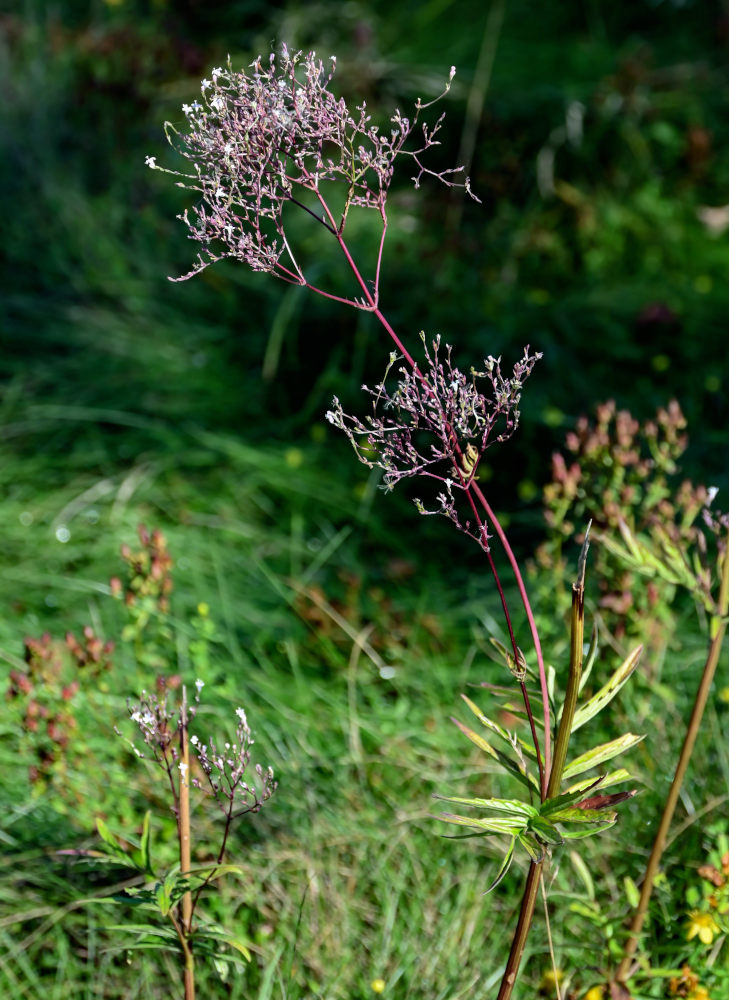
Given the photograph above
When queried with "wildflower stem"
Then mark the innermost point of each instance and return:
(183, 824)
(717, 632)
(530, 618)
(526, 914)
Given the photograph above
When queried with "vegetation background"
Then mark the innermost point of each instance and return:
(597, 137)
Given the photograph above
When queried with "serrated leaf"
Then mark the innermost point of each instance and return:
(599, 754)
(505, 866)
(511, 807)
(606, 693)
(489, 825)
(506, 762)
(494, 727)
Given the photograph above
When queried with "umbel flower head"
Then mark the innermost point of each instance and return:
(262, 139)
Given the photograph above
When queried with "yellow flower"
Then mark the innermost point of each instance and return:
(377, 985)
(701, 925)
(594, 993)
(700, 993)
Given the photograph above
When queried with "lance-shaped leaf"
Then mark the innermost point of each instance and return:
(505, 866)
(605, 781)
(493, 825)
(590, 657)
(606, 694)
(567, 799)
(494, 727)
(583, 817)
(599, 754)
(546, 831)
(517, 769)
(532, 846)
(589, 831)
(512, 807)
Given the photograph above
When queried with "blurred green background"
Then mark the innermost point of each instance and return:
(596, 136)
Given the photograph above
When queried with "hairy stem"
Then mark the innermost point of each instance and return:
(718, 631)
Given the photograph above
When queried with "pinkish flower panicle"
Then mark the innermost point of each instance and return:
(274, 135)
(437, 423)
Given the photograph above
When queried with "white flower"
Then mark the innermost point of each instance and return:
(220, 193)
(216, 72)
(183, 770)
(151, 162)
(199, 685)
(194, 740)
(187, 109)
(712, 491)
(204, 85)
(242, 716)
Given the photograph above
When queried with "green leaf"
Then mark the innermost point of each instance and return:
(546, 831)
(560, 802)
(512, 807)
(505, 866)
(612, 778)
(517, 769)
(606, 694)
(145, 845)
(584, 872)
(494, 825)
(106, 835)
(589, 659)
(584, 816)
(599, 754)
(531, 845)
(631, 892)
(497, 729)
(589, 831)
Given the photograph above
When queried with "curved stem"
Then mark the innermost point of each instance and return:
(530, 618)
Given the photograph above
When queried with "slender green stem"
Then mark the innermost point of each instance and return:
(717, 633)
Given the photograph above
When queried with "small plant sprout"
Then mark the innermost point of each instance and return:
(192, 766)
(263, 143)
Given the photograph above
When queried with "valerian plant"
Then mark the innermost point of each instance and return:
(275, 139)
(193, 766)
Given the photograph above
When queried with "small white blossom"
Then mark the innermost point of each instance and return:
(204, 85)
(194, 740)
(216, 72)
(242, 716)
(151, 162)
(187, 109)
(199, 685)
